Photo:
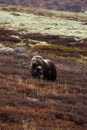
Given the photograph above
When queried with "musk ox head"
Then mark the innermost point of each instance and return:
(42, 68)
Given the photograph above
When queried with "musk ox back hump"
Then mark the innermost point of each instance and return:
(50, 70)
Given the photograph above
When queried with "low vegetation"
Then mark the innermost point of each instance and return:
(27, 103)
(50, 25)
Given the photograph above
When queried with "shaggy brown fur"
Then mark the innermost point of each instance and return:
(43, 68)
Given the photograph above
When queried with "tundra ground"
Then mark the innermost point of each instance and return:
(27, 103)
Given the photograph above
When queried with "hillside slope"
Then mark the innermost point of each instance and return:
(53, 23)
(27, 103)
(70, 5)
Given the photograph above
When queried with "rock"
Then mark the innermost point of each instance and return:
(85, 12)
(1, 46)
(6, 50)
(84, 23)
(19, 50)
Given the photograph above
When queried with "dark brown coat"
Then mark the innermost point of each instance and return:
(43, 68)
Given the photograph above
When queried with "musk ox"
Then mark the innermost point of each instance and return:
(42, 68)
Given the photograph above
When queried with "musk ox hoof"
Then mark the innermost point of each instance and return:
(42, 68)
